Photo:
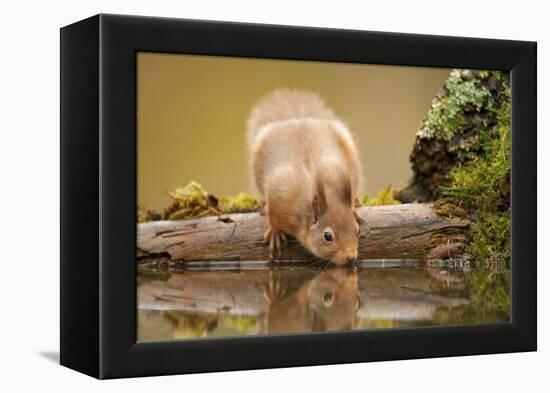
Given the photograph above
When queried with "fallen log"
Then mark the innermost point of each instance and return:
(408, 231)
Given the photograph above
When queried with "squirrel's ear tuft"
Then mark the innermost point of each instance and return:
(346, 191)
(360, 220)
(319, 203)
(356, 206)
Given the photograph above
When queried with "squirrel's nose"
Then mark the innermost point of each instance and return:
(351, 258)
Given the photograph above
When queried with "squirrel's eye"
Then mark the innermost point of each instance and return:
(328, 236)
(327, 298)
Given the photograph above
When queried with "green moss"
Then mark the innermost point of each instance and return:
(189, 202)
(483, 186)
(447, 115)
(190, 324)
(491, 237)
(488, 298)
(191, 192)
(449, 208)
(186, 324)
(241, 323)
(242, 202)
(460, 123)
(194, 201)
(483, 182)
(146, 215)
(384, 197)
(490, 293)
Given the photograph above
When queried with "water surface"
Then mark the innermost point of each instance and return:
(237, 299)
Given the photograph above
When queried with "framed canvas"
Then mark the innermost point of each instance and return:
(240, 196)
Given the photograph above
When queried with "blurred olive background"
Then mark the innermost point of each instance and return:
(192, 113)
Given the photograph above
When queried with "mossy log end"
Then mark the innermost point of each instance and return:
(408, 231)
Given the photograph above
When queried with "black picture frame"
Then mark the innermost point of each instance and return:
(98, 195)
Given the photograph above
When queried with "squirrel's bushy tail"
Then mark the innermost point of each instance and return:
(286, 104)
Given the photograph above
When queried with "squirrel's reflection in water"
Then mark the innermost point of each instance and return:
(329, 301)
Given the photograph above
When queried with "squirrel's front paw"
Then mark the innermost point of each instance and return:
(274, 238)
(275, 288)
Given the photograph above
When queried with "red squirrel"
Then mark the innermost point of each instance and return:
(306, 166)
(327, 302)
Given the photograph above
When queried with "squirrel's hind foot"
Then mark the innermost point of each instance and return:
(275, 239)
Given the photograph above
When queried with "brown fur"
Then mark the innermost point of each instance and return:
(328, 302)
(306, 166)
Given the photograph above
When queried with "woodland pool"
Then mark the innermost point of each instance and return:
(238, 299)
